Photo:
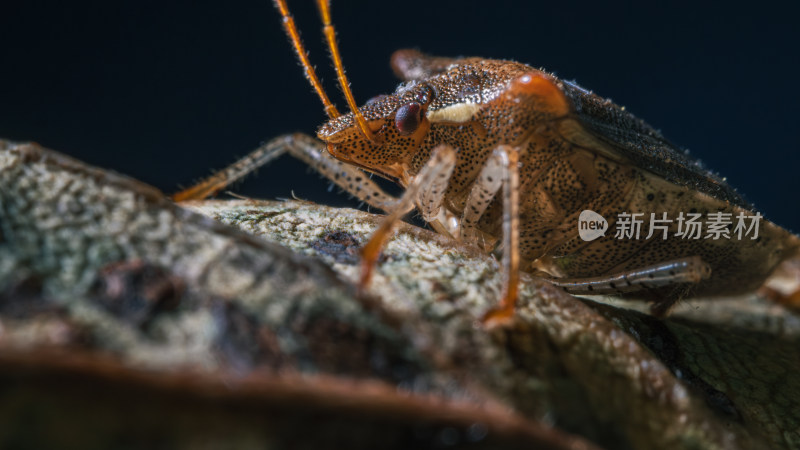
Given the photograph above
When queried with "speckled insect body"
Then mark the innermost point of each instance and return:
(497, 153)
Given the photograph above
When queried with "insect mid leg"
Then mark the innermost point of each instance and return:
(436, 172)
(510, 161)
(305, 148)
(686, 271)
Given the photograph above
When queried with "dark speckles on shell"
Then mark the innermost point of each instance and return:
(475, 81)
(596, 156)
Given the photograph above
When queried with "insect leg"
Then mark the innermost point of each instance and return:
(434, 173)
(510, 164)
(244, 166)
(483, 192)
(430, 197)
(684, 270)
(305, 148)
(353, 180)
(689, 270)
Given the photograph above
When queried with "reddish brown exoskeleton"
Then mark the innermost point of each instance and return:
(458, 130)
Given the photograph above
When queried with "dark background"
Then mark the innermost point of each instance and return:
(167, 91)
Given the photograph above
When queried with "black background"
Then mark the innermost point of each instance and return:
(167, 91)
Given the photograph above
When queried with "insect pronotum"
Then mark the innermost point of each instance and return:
(497, 153)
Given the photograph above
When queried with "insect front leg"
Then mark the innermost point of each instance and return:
(506, 159)
(483, 192)
(430, 198)
(427, 190)
(305, 148)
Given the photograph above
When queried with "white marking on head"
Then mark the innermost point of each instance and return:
(458, 113)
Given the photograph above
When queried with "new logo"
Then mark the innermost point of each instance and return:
(591, 225)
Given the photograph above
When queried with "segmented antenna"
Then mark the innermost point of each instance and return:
(330, 35)
(291, 29)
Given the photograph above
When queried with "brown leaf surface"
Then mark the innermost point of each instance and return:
(127, 319)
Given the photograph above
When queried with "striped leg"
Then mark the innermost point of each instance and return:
(426, 188)
(688, 270)
(508, 158)
(483, 192)
(305, 148)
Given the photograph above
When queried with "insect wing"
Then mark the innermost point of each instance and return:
(628, 139)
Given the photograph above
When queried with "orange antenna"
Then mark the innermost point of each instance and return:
(330, 35)
(311, 74)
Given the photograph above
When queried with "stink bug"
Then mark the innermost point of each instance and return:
(457, 130)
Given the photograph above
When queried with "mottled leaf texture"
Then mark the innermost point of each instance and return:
(128, 321)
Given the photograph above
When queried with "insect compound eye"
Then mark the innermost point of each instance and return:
(407, 118)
